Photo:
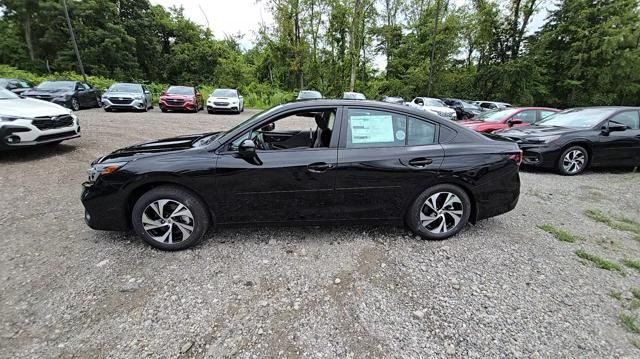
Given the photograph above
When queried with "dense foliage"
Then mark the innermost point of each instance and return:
(586, 53)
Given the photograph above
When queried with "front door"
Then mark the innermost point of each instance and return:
(383, 159)
(620, 148)
(292, 177)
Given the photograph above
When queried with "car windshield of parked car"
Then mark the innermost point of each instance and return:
(125, 88)
(57, 85)
(434, 102)
(469, 106)
(576, 118)
(7, 95)
(495, 116)
(180, 90)
(224, 93)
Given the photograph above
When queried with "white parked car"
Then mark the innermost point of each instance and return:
(225, 100)
(353, 96)
(30, 122)
(434, 105)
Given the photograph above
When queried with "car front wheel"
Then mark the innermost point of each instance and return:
(170, 218)
(439, 212)
(572, 161)
(75, 105)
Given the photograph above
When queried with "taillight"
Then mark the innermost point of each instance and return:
(516, 157)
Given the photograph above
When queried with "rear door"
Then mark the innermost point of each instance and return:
(383, 158)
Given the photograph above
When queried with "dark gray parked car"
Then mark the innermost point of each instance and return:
(17, 86)
(127, 96)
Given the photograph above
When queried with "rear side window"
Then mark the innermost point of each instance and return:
(420, 132)
(370, 128)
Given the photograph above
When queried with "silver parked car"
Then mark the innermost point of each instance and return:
(127, 96)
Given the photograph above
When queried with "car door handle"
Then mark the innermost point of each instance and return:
(319, 167)
(420, 162)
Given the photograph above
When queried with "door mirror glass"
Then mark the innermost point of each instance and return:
(269, 127)
(247, 149)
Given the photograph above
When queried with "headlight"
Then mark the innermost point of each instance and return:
(543, 139)
(103, 169)
(138, 97)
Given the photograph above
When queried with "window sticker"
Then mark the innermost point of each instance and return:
(400, 135)
(371, 129)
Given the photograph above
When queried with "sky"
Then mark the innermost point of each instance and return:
(245, 16)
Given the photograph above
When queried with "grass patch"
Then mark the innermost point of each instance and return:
(598, 261)
(632, 263)
(619, 223)
(560, 234)
(616, 295)
(629, 323)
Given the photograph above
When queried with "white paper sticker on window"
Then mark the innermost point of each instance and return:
(371, 129)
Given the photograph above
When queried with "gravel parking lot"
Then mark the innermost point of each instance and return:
(502, 288)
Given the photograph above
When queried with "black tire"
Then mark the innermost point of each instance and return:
(573, 160)
(163, 109)
(146, 107)
(98, 104)
(200, 223)
(75, 104)
(210, 112)
(419, 206)
(107, 109)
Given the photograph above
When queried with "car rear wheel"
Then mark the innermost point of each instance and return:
(170, 218)
(75, 105)
(573, 161)
(439, 212)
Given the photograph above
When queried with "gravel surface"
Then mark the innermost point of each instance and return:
(502, 288)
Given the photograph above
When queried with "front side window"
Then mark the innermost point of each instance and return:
(370, 128)
(627, 118)
(526, 116)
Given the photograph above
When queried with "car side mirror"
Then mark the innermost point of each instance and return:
(614, 127)
(514, 121)
(269, 127)
(147, 92)
(247, 149)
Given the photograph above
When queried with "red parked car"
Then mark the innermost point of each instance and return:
(507, 118)
(182, 98)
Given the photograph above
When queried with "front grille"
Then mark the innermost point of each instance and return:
(47, 123)
(55, 136)
(43, 97)
(175, 102)
(120, 100)
(221, 103)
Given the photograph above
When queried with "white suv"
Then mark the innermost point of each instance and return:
(225, 100)
(30, 122)
(434, 105)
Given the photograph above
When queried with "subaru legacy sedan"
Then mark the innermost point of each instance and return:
(302, 163)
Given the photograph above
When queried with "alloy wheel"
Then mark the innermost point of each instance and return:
(75, 105)
(441, 212)
(573, 161)
(168, 221)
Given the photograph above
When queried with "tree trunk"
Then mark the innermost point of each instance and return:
(27, 35)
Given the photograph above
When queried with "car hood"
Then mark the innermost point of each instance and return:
(536, 131)
(122, 94)
(29, 107)
(155, 147)
(177, 97)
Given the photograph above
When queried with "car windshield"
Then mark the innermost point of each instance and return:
(7, 95)
(309, 94)
(57, 85)
(434, 102)
(180, 90)
(469, 105)
(224, 93)
(125, 88)
(576, 118)
(494, 116)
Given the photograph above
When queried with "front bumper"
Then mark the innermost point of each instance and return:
(22, 133)
(169, 105)
(105, 207)
(543, 155)
(125, 104)
(222, 106)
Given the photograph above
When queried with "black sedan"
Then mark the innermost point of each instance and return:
(362, 161)
(572, 140)
(70, 94)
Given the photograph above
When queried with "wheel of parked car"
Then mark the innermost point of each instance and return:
(163, 109)
(107, 109)
(573, 160)
(439, 212)
(98, 104)
(146, 106)
(170, 218)
(75, 105)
